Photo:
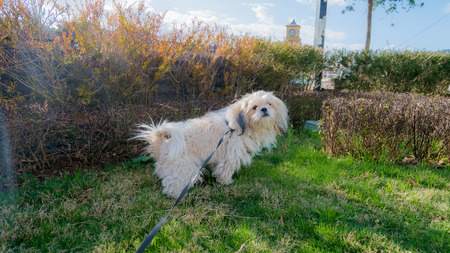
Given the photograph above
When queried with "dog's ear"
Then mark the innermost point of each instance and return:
(282, 117)
(235, 117)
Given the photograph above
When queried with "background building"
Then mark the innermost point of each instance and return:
(293, 33)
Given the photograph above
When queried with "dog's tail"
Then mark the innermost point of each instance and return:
(163, 138)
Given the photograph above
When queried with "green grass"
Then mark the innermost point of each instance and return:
(293, 199)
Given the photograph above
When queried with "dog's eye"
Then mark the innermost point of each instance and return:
(254, 107)
(270, 104)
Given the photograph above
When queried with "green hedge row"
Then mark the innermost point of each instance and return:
(420, 72)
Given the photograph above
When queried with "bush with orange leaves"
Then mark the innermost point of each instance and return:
(88, 55)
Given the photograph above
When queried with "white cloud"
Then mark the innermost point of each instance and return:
(447, 8)
(335, 35)
(179, 17)
(261, 12)
(264, 26)
(313, 3)
(307, 35)
(272, 31)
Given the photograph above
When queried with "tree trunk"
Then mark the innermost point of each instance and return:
(369, 24)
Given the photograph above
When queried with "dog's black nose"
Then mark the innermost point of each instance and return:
(264, 109)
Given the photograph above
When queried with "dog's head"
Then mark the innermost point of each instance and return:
(258, 110)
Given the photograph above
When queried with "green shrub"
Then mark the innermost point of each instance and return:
(420, 72)
(306, 105)
(388, 126)
(285, 63)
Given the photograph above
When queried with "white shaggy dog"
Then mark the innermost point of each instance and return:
(181, 147)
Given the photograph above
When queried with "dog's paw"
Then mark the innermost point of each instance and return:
(224, 181)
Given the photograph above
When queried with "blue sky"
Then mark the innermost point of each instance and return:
(426, 28)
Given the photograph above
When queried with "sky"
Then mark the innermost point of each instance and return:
(425, 28)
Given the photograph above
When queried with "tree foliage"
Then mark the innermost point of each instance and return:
(390, 6)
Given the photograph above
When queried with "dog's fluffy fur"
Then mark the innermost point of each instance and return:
(180, 147)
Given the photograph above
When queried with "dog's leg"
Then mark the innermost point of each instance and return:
(231, 158)
(175, 175)
(224, 171)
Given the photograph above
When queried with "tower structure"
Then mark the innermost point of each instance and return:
(293, 33)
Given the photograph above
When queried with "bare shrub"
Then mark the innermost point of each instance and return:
(47, 141)
(388, 126)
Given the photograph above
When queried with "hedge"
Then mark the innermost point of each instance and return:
(48, 141)
(394, 71)
(388, 126)
(307, 105)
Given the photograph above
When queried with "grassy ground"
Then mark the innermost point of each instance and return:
(294, 199)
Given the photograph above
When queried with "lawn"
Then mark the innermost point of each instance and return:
(293, 199)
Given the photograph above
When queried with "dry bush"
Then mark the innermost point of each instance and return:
(50, 142)
(47, 141)
(388, 126)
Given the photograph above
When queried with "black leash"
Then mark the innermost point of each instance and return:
(183, 193)
(165, 218)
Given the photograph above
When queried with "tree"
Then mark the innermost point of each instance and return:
(369, 24)
(390, 6)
